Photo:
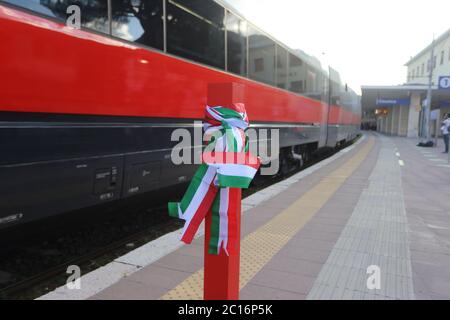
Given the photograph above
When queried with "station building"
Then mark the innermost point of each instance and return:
(399, 110)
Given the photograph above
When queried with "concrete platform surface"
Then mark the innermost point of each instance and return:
(372, 222)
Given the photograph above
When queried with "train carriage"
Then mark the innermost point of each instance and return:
(86, 114)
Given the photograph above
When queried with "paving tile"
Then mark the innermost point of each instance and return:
(335, 221)
(286, 198)
(296, 266)
(274, 205)
(317, 235)
(319, 244)
(436, 285)
(308, 254)
(428, 247)
(178, 262)
(347, 294)
(283, 281)
(443, 233)
(420, 296)
(338, 209)
(130, 290)
(158, 276)
(263, 211)
(345, 198)
(440, 297)
(258, 292)
(329, 228)
(430, 257)
(194, 250)
(430, 268)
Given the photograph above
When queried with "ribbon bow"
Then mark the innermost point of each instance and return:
(227, 164)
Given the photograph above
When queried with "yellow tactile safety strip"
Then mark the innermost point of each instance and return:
(259, 247)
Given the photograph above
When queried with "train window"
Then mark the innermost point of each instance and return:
(259, 65)
(139, 21)
(335, 93)
(326, 88)
(297, 75)
(314, 84)
(311, 81)
(261, 57)
(282, 67)
(195, 30)
(94, 13)
(295, 61)
(236, 44)
(297, 86)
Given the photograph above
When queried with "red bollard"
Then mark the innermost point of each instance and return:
(221, 273)
(221, 279)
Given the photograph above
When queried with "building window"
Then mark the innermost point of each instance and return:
(442, 57)
(94, 13)
(423, 69)
(295, 61)
(418, 71)
(413, 74)
(138, 21)
(281, 60)
(297, 86)
(434, 62)
(428, 65)
(236, 44)
(196, 31)
(259, 64)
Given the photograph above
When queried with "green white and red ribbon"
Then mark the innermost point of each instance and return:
(227, 164)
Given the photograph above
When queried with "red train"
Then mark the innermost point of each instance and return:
(84, 113)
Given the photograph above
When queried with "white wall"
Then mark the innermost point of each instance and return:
(440, 69)
(403, 121)
(413, 116)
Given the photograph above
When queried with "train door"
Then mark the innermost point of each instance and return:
(324, 130)
(325, 111)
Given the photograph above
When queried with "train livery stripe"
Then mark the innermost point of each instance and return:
(73, 74)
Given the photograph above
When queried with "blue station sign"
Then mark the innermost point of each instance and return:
(444, 83)
(389, 102)
(444, 104)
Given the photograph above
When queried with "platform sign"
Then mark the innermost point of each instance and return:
(444, 104)
(434, 115)
(390, 102)
(444, 83)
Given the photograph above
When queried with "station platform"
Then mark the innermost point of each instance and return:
(382, 202)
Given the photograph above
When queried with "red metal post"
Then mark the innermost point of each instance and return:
(221, 272)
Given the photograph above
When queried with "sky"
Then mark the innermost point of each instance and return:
(367, 41)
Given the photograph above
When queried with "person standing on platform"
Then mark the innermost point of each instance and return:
(445, 131)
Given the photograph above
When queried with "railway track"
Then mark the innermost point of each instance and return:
(47, 280)
(18, 289)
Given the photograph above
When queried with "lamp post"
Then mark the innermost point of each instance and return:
(427, 114)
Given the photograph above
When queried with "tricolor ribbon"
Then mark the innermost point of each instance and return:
(227, 164)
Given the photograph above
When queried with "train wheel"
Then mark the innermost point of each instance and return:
(284, 166)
